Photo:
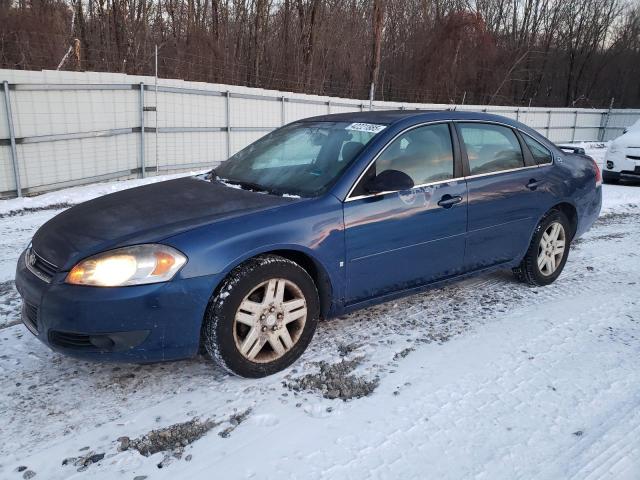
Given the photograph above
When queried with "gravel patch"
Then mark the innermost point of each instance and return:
(235, 420)
(403, 353)
(28, 210)
(170, 439)
(83, 462)
(335, 381)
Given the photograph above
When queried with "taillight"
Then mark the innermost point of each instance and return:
(598, 174)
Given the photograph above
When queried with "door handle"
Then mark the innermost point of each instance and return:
(447, 201)
(533, 184)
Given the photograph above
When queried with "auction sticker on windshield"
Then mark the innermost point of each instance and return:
(366, 127)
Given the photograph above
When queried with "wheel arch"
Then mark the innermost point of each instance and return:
(570, 212)
(307, 261)
(316, 271)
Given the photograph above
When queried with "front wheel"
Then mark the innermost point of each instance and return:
(548, 251)
(262, 318)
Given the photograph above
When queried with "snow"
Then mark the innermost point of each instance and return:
(485, 378)
(228, 184)
(82, 194)
(595, 150)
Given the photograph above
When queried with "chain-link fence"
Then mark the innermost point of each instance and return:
(60, 129)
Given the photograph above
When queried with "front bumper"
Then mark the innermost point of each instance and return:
(623, 164)
(609, 175)
(145, 323)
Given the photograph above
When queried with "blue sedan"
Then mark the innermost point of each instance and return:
(318, 218)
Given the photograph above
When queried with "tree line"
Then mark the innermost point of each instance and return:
(574, 53)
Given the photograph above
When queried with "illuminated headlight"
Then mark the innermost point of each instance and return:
(137, 265)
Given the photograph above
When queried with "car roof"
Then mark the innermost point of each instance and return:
(389, 117)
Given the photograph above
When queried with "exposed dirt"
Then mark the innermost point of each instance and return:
(335, 381)
(616, 218)
(83, 462)
(168, 439)
(235, 420)
(28, 210)
(403, 353)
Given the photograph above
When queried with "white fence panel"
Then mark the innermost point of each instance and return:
(81, 127)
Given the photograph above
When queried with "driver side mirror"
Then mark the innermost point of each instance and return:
(389, 180)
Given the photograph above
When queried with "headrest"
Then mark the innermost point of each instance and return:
(350, 150)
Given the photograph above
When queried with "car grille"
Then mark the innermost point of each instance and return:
(633, 157)
(71, 340)
(30, 317)
(39, 266)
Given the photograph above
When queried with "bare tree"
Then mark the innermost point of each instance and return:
(539, 52)
(377, 25)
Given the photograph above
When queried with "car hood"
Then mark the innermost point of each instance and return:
(143, 214)
(631, 139)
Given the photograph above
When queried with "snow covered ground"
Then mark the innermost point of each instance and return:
(486, 378)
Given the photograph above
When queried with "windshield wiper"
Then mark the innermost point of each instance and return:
(252, 186)
(244, 185)
(256, 187)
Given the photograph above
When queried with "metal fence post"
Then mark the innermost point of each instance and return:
(604, 122)
(575, 126)
(142, 161)
(12, 135)
(548, 124)
(283, 116)
(602, 130)
(329, 107)
(228, 117)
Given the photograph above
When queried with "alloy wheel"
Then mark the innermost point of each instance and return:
(270, 320)
(551, 249)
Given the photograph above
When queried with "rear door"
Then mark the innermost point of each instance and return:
(398, 240)
(505, 198)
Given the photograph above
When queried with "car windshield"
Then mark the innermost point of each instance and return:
(303, 158)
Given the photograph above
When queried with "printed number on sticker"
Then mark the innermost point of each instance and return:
(366, 127)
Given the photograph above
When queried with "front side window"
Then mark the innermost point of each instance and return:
(490, 148)
(303, 158)
(541, 154)
(423, 153)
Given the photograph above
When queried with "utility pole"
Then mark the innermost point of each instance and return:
(378, 23)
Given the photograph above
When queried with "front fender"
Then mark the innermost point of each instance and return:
(313, 228)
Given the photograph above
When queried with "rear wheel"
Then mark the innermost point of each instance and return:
(548, 252)
(263, 317)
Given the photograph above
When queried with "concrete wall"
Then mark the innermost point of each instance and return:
(80, 127)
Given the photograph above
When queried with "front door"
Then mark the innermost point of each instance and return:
(399, 240)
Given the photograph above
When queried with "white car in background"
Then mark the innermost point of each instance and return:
(622, 160)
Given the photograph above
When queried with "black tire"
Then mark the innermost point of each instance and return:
(219, 334)
(528, 271)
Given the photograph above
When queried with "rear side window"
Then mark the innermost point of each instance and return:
(490, 148)
(541, 154)
(423, 153)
